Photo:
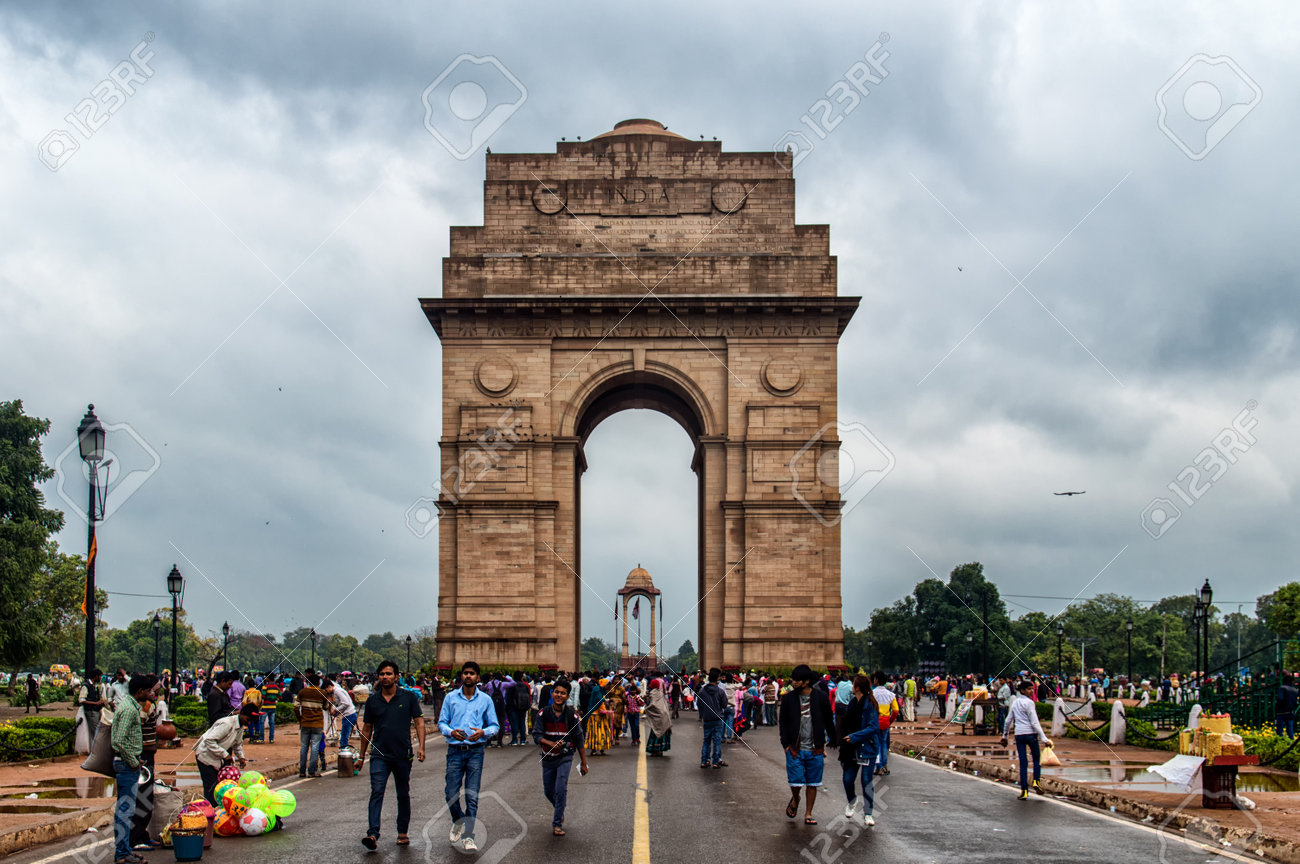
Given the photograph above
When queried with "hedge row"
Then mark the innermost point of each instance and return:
(34, 733)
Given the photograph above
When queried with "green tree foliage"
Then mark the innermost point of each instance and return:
(1281, 610)
(596, 653)
(25, 528)
(61, 587)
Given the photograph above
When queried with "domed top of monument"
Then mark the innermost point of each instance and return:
(639, 580)
(640, 126)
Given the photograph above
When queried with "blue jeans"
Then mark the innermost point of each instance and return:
(882, 748)
(868, 786)
(634, 725)
(267, 719)
(255, 728)
(125, 780)
(769, 715)
(555, 784)
(1286, 725)
(464, 764)
(380, 768)
(1029, 742)
(711, 750)
(310, 740)
(729, 724)
(518, 727)
(349, 723)
(804, 769)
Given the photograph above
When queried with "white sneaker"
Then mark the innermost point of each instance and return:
(869, 821)
(849, 809)
(468, 845)
(457, 831)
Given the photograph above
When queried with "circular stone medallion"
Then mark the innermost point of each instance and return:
(496, 375)
(548, 198)
(782, 376)
(728, 196)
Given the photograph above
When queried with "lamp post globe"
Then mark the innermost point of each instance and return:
(90, 444)
(175, 585)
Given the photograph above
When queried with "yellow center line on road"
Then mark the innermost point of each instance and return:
(641, 815)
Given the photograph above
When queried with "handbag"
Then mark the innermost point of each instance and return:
(100, 760)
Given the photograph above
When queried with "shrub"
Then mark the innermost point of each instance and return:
(23, 735)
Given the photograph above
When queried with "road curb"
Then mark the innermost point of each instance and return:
(1257, 842)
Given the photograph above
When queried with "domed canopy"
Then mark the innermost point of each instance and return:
(639, 127)
(638, 581)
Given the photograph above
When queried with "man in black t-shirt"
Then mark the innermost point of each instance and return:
(559, 733)
(387, 725)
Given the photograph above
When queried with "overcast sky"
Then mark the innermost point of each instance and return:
(1063, 288)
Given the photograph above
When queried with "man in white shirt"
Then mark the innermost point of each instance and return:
(221, 744)
(1023, 718)
(1005, 698)
(343, 708)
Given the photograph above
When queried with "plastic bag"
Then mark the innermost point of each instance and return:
(1049, 758)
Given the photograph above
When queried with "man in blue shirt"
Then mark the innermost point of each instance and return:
(467, 721)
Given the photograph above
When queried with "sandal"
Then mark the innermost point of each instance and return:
(557, 831)
(808, 820)
(403, 840)
(792, 809)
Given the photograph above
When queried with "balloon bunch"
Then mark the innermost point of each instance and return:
(248, 806)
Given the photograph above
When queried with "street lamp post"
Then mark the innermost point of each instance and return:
(1128, 628)
(869, 656)
(313, 649)
(225, 646)
(174, 585)
(157, 626)
(90, 441)
(1207, 596)
(1060, 670)
(408, 655)
(1197, 611)
(970, 650)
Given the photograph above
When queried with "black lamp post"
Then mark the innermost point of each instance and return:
(225, 646)
(1207, 596)
(1197, 611)
(1128, 628)
(408, 655)
(90, 441)
(313, 649)
(174, 585)
(970, 648)
(869, 643)
(1060, 670)
(157, 626)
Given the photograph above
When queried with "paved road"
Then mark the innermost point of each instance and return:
(728, 816)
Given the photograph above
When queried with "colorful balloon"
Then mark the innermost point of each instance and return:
(283, 803)
(253, 823)
(250, 778)
(227, 826)
(220, 790)
(230, 772)
(270, 823)
(259, 796)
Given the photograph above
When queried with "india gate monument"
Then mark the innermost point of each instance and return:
(639, 269)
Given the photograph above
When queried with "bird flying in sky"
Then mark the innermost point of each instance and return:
(1084, 492)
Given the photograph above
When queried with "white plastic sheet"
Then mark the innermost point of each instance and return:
(1180, 769)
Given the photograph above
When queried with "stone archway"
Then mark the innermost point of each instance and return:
(639, 270)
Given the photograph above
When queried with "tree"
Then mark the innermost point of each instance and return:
(596, 653)
(685, 658)
(25, 528)
(61, 586)
(1281, 611)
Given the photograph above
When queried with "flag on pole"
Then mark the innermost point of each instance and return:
(90, 562)
(636, 608)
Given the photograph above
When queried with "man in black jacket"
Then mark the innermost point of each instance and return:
(807, 726)
(219, 699)
(712, 701)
